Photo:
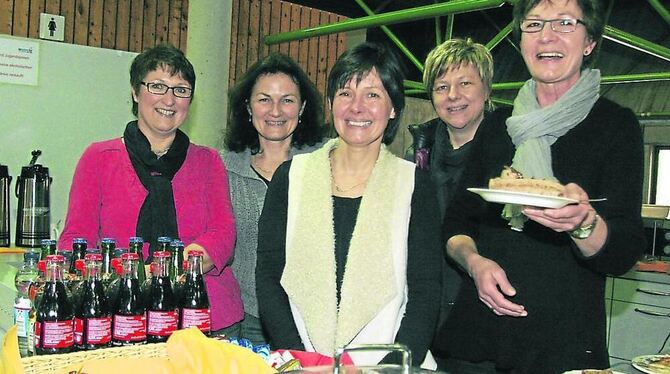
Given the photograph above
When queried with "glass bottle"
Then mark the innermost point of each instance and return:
(93, 320)
(24, 279)
(48, 247)
(54, 327)
(162, 311)
(194, 305)
(177, 277)
(135, 245)
(79, 246)
(129, 322)
(107, 247)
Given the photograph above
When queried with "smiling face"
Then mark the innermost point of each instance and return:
(159, 116)
(361, 111)
(554, 59)
(459, 97)
(275, 107)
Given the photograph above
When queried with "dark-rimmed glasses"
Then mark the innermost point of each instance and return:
(162, 89)
(562, 25)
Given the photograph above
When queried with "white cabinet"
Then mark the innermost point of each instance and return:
(638, 311)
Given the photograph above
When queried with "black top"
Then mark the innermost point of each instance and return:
(345, 210)
(445, 163)
(562, 290)
(423, 266)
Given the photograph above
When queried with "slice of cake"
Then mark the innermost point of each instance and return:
(512, 180)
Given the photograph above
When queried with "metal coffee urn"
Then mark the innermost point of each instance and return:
(33, 216)
(5, 182)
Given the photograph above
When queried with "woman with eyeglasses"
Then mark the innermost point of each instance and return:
(154, 182)
(534, 302)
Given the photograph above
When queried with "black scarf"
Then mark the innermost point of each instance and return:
(158, 215)
(447, 165)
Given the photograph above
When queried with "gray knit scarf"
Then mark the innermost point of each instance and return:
(534, 129)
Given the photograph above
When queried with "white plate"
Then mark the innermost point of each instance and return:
(646, 364)
(522, 198)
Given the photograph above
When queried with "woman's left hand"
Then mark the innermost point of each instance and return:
(567, 218)
(207, 263)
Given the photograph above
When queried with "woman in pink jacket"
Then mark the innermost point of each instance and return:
(153, 182)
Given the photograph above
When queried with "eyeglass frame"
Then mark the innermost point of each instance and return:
(168, 88)
(551, 24)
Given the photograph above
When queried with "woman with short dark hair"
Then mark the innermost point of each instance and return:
(154, 182)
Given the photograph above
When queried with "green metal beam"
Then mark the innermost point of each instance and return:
(635, 42)
(653, 115)
(500, 36)
(612, 79)
(404, 15)
(393, 38)
(660, 9)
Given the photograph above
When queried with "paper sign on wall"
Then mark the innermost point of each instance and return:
(19, 61)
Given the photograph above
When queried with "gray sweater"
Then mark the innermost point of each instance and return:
(247, 194)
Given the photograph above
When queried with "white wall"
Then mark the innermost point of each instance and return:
(82, 96)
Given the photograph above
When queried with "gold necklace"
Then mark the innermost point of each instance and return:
(345, 190)
(254, 163)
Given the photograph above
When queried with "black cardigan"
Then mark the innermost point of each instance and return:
(423, 268)
(562, 290)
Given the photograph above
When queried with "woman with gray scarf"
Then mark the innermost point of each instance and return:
(535, 302)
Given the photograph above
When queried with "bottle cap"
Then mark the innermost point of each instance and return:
(79, 241)
(93, 257)
(164, 239)
(194, 252)
(162, 254)
(55, 258)
(135, 239)
(130, 256)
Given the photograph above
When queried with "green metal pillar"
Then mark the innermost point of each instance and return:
(636, 42)
(405, 15)
(393, 38)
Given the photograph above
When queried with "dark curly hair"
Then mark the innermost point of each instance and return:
(356, 63)
(240, 134)
(165, 56)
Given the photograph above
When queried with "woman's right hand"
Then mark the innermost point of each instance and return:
(493, 287)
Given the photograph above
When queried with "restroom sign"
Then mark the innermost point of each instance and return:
(52, 27)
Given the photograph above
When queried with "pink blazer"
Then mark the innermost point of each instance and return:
(106, 197)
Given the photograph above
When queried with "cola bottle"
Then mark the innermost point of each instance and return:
(54, 326)
(135, 245)
(162, 310)
(194, 304)
(129, 322)
(177, 267)
(79, 246)
(107, 247)
(93, 320)
(48, 247)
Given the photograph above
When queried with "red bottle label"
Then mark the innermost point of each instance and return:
(199, 318)
(78, 331)
(130, 328)
(98, 331)
(38, 334)
(54, 334)
(161, 323)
